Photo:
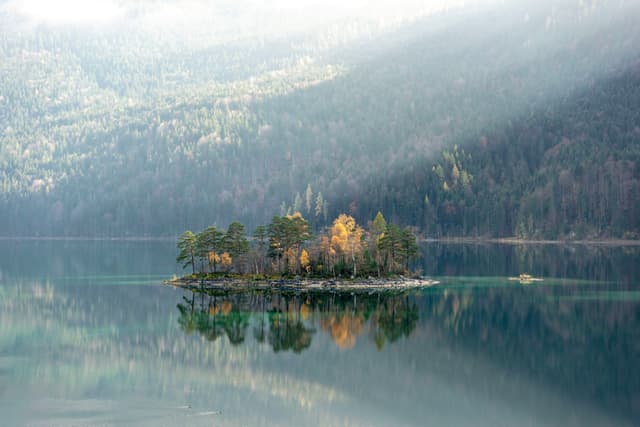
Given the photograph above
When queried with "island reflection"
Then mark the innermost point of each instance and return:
(288, 321)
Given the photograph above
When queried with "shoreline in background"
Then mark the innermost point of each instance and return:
(451, 240)
(516, 241)
(89, 239)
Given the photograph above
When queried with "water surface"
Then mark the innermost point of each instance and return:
(89, 337)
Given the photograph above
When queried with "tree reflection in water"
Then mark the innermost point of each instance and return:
(288, 320)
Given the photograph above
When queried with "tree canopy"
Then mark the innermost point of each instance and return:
(344, 249)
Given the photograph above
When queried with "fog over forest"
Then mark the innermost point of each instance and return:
(458, 118)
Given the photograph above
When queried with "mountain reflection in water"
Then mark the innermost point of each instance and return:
(89, 336)
(288, 321)
(577, 337)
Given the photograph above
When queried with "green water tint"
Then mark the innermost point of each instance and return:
(133, 280)
(127, 282)
(117, 278)
(477, 349)
(610, 295)
(461, 282)
(117, 282)
(537, 335)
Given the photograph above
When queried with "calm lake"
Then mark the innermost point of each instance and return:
(90, 337)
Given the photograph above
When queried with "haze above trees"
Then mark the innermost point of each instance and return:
(489, 119)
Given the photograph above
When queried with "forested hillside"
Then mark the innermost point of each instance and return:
(498, 121)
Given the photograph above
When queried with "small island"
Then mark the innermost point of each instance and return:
(285, 254)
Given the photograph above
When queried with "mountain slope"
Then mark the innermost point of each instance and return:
(134, 139)
(570, 170)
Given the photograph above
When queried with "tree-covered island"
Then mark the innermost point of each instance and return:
(287, 251)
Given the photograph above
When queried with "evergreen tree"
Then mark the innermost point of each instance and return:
(379, 226)
(393, 248)
(235, 242)
(308, 195)
(297, 203)
(187, 247)
(209, 244)
(286, 236)
(319, 205)
(410, 244)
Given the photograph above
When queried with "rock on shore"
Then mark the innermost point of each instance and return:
(372, 284)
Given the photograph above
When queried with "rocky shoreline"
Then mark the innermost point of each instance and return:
(369, 284)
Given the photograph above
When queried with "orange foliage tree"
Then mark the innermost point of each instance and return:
(346, 238)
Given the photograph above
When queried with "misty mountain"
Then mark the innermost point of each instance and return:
(494, 120)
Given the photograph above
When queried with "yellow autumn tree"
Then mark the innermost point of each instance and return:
(226, 261)
(296, 214)
(305, 310)
(214, 259)
(290, 256)
(346, 237)
(343, 328)
(304, 260)
(227, 306)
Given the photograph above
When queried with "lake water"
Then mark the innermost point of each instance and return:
(89, 337)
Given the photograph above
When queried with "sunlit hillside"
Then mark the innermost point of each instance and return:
(481, 118)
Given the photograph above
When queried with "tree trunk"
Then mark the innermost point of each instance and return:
(353, 258)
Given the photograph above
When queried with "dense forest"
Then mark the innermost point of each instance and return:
(440, 121)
